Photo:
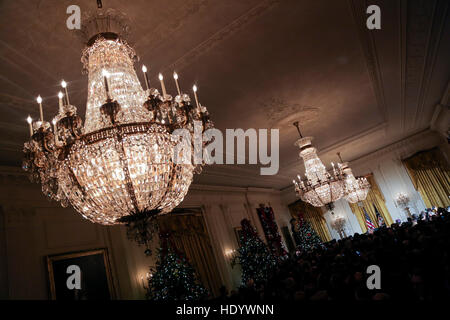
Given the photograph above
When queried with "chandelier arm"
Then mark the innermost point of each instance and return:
(73, 129)
(58, 144)
(40, 137)
(46, 147)
(186, 116)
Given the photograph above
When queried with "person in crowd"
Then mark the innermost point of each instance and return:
(414, 260)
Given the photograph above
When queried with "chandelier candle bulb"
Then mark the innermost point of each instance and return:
(147, 83)
(30, 121)
(55, 135)
(194, 88)
(39, 100)
(64, 85)
(175, 76)
(60, 97)
(334, 169)
(163, 87)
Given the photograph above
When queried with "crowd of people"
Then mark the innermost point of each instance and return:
(413, 258)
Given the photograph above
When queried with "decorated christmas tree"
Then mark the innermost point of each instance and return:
(257, 262)
(174, 278)
(304, 235)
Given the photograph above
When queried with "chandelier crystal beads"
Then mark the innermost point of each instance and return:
(120, 164)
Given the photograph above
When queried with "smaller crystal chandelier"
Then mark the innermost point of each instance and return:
(355, 189)
(320, 188)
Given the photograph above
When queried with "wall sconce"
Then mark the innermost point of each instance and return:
(145, 280)
(402, 200)
(338, 224)
(230, 254)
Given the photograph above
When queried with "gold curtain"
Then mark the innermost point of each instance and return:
(374, 199)
(190, 236)
(430, 175)
(313, 216)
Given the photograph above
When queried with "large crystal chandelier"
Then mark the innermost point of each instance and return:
(120, 164)
(355, 189)
(319, 188)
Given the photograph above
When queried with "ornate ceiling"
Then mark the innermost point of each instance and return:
(258, 64)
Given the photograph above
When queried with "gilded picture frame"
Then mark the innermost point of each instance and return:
(95, 269)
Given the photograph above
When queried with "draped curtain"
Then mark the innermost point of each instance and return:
(190, 236)
(373, 203)
(313, 216)
(430, 175)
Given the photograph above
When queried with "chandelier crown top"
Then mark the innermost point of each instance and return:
(304, 143)
(108, 23)
(345, 166)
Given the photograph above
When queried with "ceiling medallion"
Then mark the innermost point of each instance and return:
(119, 165)
(319, 188)
(280, 113)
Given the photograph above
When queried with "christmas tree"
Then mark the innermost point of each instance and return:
(257, 262)
(305, 236)
(174, 278)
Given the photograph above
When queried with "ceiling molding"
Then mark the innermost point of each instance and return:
(433, 41)
(402, 50)
(16, 103)
(441, 116)
(403, 147)
(26, 60)
(237, 172)
(10, 126)
(171, 24)
(381, 127)
(217, 188)
(424, 26)
(445, 101)
(221, 35)
(367, 42)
